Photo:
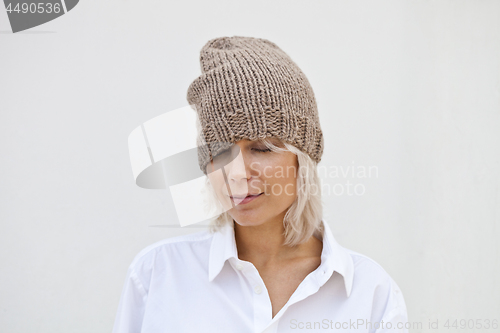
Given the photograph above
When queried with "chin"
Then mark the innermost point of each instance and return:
(247, 221)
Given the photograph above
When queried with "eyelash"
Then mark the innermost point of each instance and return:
(262, 150)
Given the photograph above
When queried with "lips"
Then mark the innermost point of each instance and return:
(241, 197)
(244, 200)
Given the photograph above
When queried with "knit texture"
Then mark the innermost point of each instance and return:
(250, 89)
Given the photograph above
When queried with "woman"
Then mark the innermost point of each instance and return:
(270, 263)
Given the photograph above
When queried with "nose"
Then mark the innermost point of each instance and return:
(237, 176)
(237, 170)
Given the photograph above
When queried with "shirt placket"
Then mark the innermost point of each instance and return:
(263, 320)
(262, 308)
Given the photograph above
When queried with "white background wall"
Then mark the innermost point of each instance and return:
(411, 87)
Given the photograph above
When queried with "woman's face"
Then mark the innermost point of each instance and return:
(261, 184)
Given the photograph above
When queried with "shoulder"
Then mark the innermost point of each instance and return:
(370, 276)
(363, 265)
(172, 242)
(171, 252)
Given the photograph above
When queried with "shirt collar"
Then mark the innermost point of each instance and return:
(222, 248)
(334, 257)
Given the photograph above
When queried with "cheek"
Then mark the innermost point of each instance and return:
(215, 177)
(217, 182)
(282, 184)
(219, 186)
(289, 188)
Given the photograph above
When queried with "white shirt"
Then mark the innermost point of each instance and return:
(196, 283)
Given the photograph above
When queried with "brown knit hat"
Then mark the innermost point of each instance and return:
(250, 89)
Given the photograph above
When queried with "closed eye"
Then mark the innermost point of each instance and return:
(261, 150)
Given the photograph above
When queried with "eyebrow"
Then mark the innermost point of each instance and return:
(272, 139)
(277, 142)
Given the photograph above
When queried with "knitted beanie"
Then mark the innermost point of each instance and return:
(250, 89)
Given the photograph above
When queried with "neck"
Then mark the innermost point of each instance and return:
(263, 244)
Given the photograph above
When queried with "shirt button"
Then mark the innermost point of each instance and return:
(257, 289)
(239, 267)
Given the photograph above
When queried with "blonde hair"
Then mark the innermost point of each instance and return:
(302, 219)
